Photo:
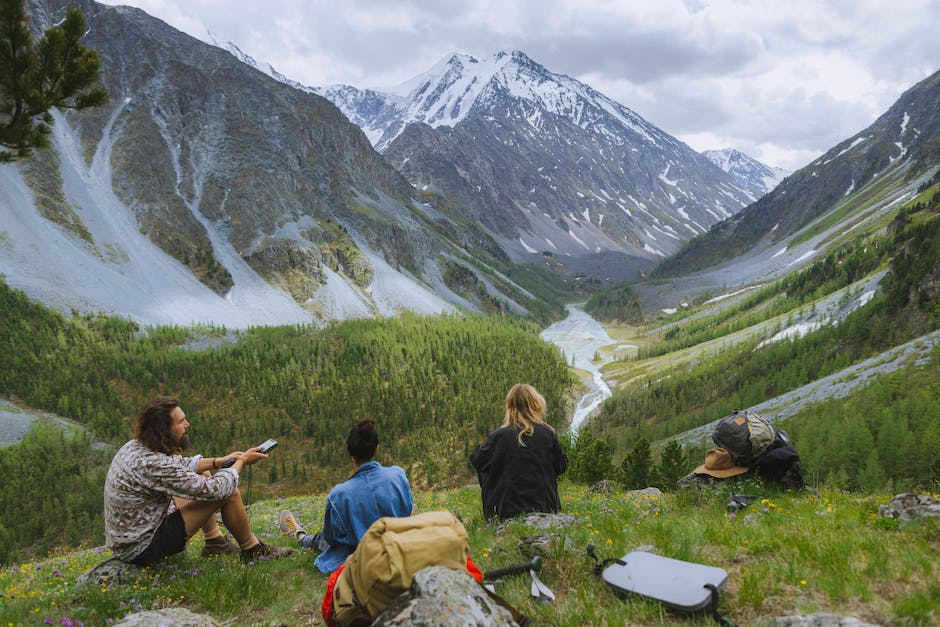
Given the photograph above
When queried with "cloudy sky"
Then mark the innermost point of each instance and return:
(781, 80)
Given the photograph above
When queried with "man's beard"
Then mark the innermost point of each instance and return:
(183, 443)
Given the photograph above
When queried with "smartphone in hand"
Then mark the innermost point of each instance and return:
(265, 447)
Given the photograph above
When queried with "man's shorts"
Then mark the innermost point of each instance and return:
(169, 540)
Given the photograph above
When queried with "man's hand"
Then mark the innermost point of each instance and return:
(233, 455)
(252, 456)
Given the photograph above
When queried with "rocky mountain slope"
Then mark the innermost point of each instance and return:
(758, 177)
(899, 148)
(546, 163)
(200, 166)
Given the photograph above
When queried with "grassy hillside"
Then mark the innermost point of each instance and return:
(702, 365)
(785, 554)
(434, 385)
(436, 388)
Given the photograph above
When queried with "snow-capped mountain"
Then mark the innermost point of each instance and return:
(205, 191)
(544, 162)
(750, 173)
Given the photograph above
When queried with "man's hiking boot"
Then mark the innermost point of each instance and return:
(218, 546)
(289, 525)
(264, 552)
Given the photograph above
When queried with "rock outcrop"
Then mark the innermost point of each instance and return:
(909, 507)
(443, 596)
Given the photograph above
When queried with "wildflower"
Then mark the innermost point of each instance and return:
(802, 582)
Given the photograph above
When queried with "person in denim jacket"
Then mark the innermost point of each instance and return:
(372, 491)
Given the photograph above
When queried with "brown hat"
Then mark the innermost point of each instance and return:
(718, 463)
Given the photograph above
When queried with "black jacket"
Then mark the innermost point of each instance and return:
(519, 479)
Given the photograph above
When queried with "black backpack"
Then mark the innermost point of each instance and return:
(745, 435)
(780, 463)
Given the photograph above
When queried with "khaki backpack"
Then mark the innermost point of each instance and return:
(390, 553)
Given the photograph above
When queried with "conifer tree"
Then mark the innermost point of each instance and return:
(57, 71)
(636, 469)
(588, 457)
(672, 466)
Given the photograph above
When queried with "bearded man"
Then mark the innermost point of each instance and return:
(155, 499)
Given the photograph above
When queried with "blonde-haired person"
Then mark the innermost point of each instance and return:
(519, 464)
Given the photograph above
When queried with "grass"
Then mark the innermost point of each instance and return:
(786, 554)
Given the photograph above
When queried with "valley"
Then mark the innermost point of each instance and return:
(287, 259)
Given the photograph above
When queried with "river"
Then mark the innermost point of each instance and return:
(579, 336)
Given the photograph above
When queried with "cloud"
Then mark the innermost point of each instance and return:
(779, 80)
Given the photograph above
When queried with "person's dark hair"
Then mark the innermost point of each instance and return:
(152, 425)
(363, 441)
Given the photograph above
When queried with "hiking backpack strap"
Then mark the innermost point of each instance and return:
(599, 565)
(721, 620)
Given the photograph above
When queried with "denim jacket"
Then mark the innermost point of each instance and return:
(373, 491)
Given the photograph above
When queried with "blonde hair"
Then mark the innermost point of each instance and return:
(525, 408)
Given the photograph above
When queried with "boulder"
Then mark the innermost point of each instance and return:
(649, 493)
(908, 507)
(169, 617)
(548, 521)
(109, 573)
(443, 596)
(697, 481)
(539, 544)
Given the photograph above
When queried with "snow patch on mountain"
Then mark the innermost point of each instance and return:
(750, 173)
(857, 141)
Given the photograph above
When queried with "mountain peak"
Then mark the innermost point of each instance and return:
(543, 160)
(755, 176)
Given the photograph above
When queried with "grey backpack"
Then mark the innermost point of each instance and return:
(745, 435)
